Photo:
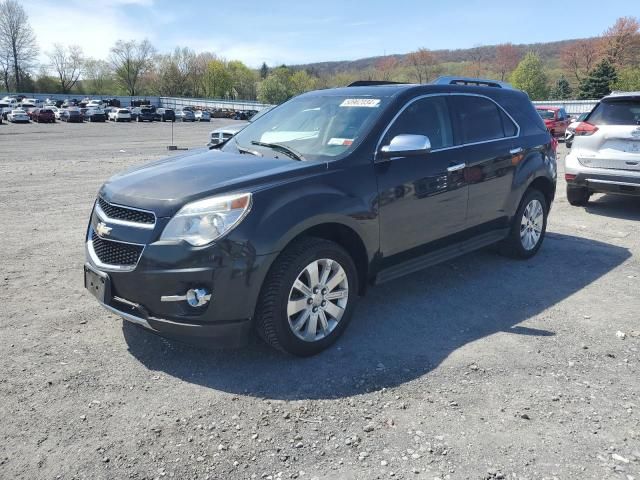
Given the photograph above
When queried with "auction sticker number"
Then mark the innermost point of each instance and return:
(361, 102)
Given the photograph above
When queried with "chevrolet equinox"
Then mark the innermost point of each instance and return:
(282, 227)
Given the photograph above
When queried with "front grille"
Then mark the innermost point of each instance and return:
(127, 214)
(115, 253)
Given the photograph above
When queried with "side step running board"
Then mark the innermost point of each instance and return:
(439, 256)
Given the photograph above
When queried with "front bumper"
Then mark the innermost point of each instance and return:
(231, 271)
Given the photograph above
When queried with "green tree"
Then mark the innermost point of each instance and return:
(530, 77)
(301, 82)
(273, 90)
(264, 71)
(218, 80)
(599, 82)
(628, 80)
(562, 89)
(244, 80)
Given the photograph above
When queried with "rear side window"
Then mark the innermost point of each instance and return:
(481, 120)
(619, 112)
(427, 116)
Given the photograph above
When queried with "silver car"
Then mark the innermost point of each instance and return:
(605, 156)
(223, 134)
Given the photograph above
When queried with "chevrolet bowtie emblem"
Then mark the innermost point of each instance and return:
(102, 230)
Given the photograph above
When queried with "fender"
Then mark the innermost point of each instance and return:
(538, 162)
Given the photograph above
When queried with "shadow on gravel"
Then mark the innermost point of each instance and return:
(615, 206)
(401, 330)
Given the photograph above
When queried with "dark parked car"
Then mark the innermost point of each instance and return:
(165, 114)
(283, 227)
(71, 115)
(43, 115)
(95, 115)
(142, 114)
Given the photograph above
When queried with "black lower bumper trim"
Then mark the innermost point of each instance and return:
(221, 334)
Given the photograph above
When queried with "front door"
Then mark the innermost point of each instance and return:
(421, 198)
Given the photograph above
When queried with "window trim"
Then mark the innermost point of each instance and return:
(420, 97)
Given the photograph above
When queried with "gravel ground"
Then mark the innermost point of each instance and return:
(479, 368)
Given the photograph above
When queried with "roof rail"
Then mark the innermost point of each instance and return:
(368, 83)
(476, 82)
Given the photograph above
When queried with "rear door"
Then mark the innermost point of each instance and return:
(487, 134)
(616, 142)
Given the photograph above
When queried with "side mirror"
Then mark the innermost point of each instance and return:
(406, 145)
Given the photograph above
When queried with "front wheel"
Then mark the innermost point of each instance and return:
(528, 227)
(308, 297)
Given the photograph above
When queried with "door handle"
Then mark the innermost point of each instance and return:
(455, 168)
(516, 151)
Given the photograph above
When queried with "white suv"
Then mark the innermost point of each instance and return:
(606, 150)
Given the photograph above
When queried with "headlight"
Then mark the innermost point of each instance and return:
(203, 221)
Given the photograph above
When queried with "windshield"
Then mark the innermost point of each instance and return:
(315, 127)
(547, 114)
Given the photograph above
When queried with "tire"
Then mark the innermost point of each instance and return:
(526, 235)
(275, 316)
(578, 196)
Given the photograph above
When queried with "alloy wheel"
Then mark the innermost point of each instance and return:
(531, 224)
(317, 300)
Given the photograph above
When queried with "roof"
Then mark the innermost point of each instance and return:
(619, 94)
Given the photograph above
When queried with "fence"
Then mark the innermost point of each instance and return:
(168, 102)
(573, 107)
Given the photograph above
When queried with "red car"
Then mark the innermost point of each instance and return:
(42, 115)
(555, 119)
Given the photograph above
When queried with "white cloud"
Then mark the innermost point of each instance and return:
(94, 25)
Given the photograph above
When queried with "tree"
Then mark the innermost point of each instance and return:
(529, 76)
(424, 65)
(218, 80)
(385, 67)
(578, 58)
(621, 43)
(173, 72)
(477, 62)
(130, 61)
(264, 71)
(67, 64)
(97, 75)
(598, 84)
(244, 80)
(506, 61)
(17, 40)
(301, 82)
(273, 90)
(628, 80)
(562, 89)
(5, 69)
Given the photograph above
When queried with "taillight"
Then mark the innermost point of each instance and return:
(584, 129)
(569, 177)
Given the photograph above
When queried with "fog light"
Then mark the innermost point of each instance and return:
(195, 297)
(198, 297)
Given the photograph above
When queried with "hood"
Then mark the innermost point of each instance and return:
(166, 185)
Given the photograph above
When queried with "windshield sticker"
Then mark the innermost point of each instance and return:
(361, 102)
(341, 141)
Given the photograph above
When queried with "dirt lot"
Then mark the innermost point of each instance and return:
(479, 368)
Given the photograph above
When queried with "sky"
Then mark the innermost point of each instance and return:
(294, 32)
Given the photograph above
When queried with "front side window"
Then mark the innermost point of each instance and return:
(316, 127)
(480, 120)
(427, 116)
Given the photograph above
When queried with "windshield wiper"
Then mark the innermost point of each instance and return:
(290, 152)
(247, 150)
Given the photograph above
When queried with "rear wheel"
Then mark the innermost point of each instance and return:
(578, 196)
(528, 227)
(308, 297)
